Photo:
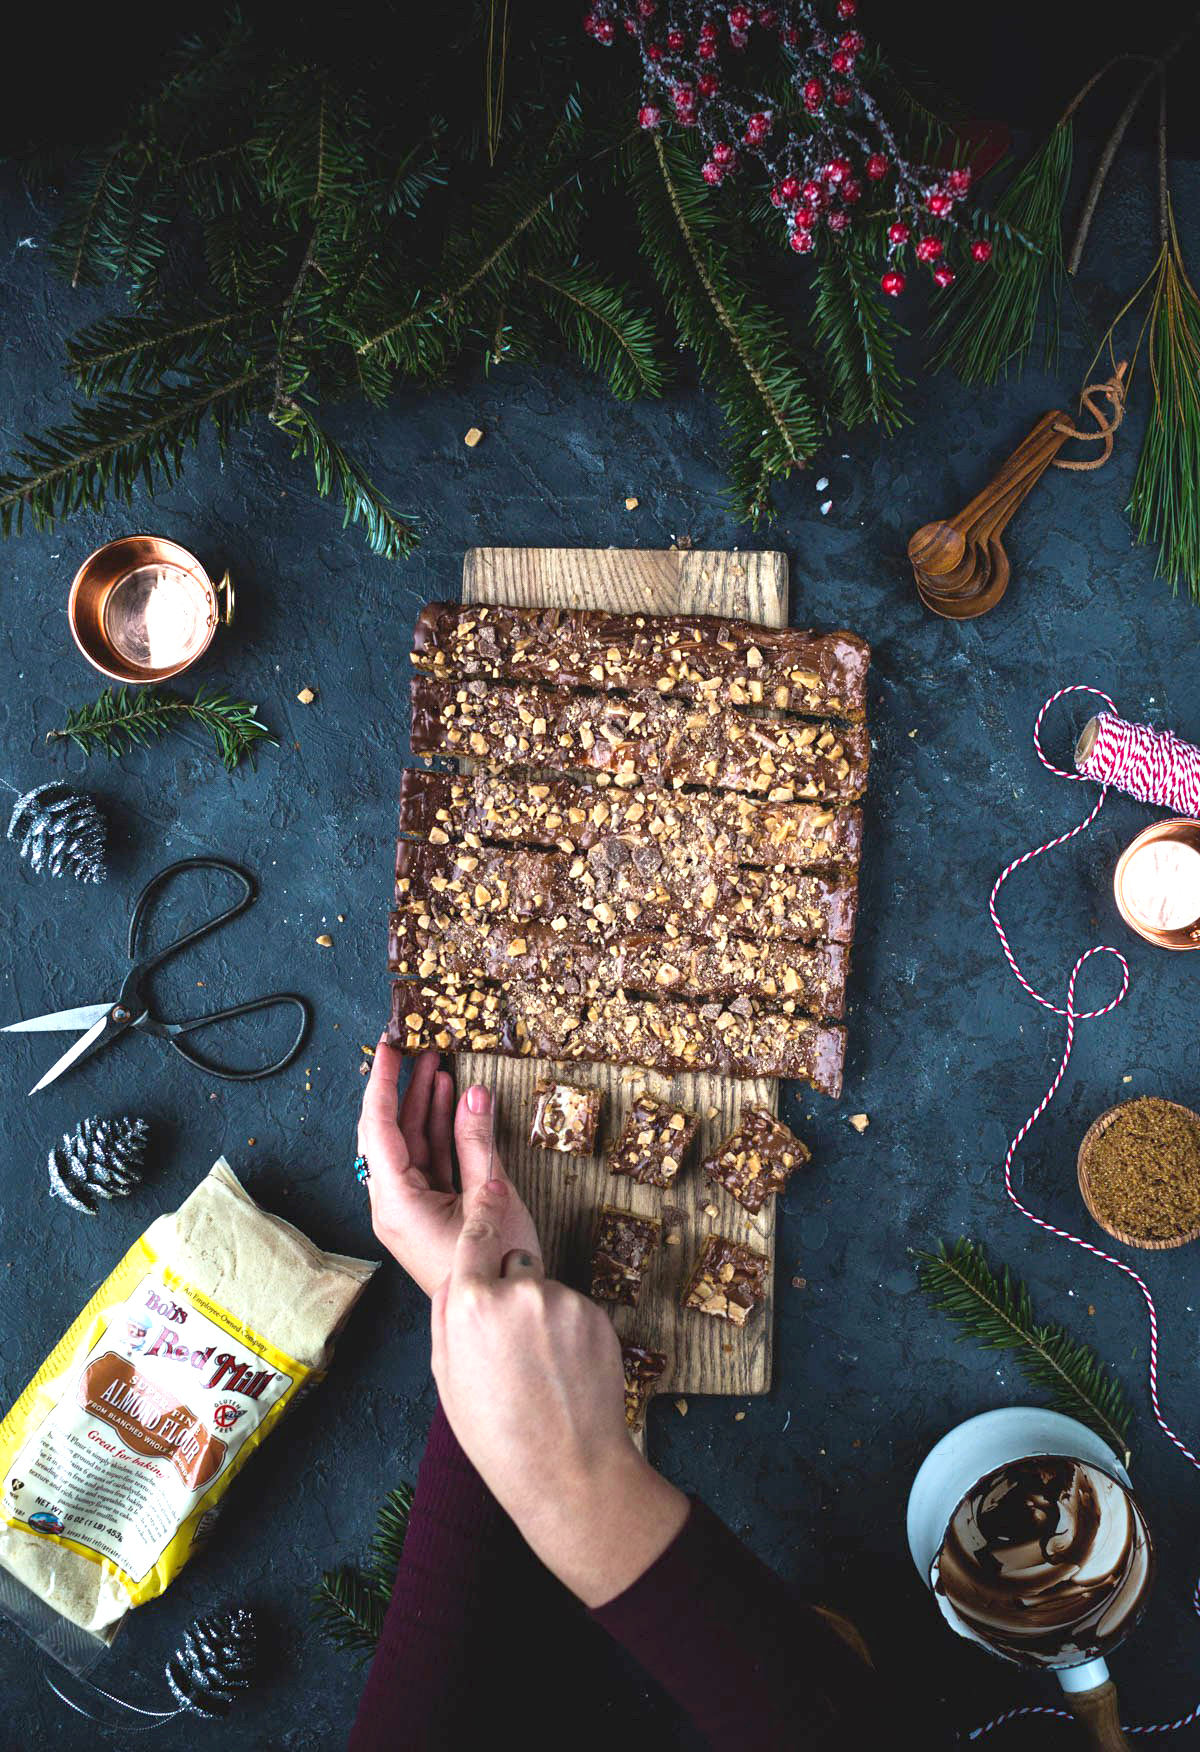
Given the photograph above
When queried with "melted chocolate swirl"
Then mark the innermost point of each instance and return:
(1046, 1560)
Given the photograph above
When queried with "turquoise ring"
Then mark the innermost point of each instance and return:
(361, 1171)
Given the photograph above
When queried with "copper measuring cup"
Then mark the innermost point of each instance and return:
(143, 608)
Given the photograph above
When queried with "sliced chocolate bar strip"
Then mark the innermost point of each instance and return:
(465, 950)
(617, 887)
(637, 737)
(724, 825)
(757, 1160)
(693, 657)
(740, 1039)
(624, 1244)
(642, 1369)
(729, 1280)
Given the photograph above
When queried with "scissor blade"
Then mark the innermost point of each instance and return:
(85, 1016)
(82, 1047)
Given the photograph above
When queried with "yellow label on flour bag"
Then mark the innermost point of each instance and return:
(114, 1459)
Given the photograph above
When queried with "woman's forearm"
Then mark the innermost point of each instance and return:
(602, 1526)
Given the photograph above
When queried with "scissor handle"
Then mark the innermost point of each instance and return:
(140, 968)
(172, 1030)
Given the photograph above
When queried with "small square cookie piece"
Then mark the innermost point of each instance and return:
(642, 1369)
(565, 1118)
(653, 1143)
(623, 1245)
(756, 1161)
(729, 1279)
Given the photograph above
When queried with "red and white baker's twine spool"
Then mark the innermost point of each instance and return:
(1156, 768)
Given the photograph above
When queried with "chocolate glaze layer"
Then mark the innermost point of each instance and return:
(1046, 1560)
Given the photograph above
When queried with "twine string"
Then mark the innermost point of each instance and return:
(1119, 772)
(1114, 393)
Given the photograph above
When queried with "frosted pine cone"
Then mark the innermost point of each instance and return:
(58, 831)
(214, 1663)
(101, 1159)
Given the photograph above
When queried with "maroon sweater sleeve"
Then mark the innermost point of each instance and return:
(710, 1624)
(749, 1662)
(426, 1664)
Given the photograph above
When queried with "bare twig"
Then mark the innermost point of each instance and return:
(1157, 64)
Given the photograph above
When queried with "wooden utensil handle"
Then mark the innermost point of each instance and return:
(996, 519)
(1097, 1714)
(1009, 471)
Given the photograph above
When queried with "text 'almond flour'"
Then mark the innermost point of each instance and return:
(115, 1458)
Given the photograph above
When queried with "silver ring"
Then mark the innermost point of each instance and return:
(362, 1172)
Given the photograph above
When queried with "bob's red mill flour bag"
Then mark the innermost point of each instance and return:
(115, 1458)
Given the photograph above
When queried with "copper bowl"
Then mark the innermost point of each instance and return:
(1083, 1170)
(1187, 832)
(142, 608)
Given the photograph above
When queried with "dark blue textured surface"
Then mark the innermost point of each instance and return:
(947, 1055)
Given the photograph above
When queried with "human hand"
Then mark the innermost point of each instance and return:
(415, 1210)
(530, 1378)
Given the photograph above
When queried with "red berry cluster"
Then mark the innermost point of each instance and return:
(816, 174)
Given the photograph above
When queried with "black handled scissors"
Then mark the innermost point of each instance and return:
(104, 1023)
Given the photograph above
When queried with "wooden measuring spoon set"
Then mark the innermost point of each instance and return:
(960, 565)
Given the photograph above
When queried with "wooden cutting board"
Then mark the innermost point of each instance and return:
(707, 1355)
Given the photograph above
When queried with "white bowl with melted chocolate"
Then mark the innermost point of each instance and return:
(1023, 1524)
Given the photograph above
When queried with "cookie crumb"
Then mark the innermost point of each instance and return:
(860, 1122)
(306, 696)
(471, 437)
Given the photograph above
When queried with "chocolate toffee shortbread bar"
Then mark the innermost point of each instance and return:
(722, 826)
(694, 657)
(739, 1039)
(624, 1244)
(757, 1159)
(634, 737)
(565, 1118)
(729, 1280)
(653, 1143)
(444, 948)
(642, 1369)
(614, 888)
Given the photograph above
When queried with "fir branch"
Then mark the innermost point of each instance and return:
(741, 347)
(350, 1605)
(604, 328)
(997, 1313)
(856, 334)
(988, 320)
(309, 148)
(350, 1611)
(389, 533)
(526, 216)
(122, 720)
(112, 445)
(127, 352)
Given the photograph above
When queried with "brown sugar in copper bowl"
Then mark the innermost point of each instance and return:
(142, 608)
(1085, 1169)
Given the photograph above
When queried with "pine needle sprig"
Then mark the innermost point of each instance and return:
(604, 328)
(741, 347)
(388, 532)
(351, 1604)
(988, 321)
(856, 334)
(122, 719)
(996, 1311)
(112, 445)
(1165, 501)
(132, 352)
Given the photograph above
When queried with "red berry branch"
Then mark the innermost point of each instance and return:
(817, 165)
